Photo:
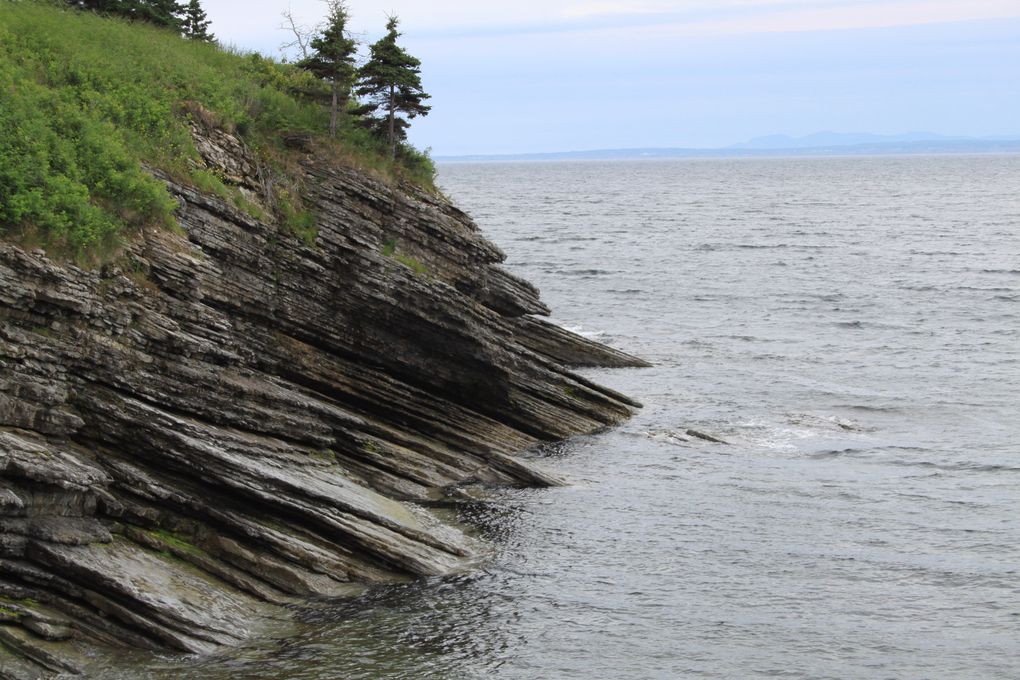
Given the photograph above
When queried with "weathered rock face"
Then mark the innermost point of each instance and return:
(231, 418)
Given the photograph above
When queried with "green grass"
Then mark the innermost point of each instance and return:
(413, 263)
(299, 222)
(172, 539)
(390, 249)
(7, 614)
(208, 182)
(324, 455)
(84, 100)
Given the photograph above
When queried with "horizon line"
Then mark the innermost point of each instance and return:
(1011, 141)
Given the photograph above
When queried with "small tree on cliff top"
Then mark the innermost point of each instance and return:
(195, 24)
(333, 59)
(391, 79)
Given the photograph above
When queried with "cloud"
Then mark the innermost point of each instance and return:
(246, 23)
(860, 15)
(601, 9)
(632, 21)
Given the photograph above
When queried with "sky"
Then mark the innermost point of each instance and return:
(566, 75)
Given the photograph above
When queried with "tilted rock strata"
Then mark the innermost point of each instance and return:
(231, 418)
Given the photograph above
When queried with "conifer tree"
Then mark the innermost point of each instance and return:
(159, 12)
(333, 59)
(195, 24)
(391, 80)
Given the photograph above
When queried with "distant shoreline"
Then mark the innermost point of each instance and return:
(921, 148)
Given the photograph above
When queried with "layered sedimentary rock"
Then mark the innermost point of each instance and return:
(231, 418)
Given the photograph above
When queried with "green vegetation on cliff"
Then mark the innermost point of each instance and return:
(86, 100)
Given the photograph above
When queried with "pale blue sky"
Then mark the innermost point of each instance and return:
(558, 75)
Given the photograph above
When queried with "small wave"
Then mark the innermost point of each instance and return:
(570, 238)
(857, 323)
(767, 356)
(827, 422)
(963, 466)
(802, 296)
(1013, 272)
(711, 298)
(871, 408)
(834, 453)
(585, 333)
(584, 272)
(668, 437)
(995, 289)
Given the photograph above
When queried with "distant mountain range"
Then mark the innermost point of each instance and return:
(821, 140)
(816, 144)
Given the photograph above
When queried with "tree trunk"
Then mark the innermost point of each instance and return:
(335, 110)
(392, 121)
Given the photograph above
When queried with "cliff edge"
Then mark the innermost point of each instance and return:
(231, 418)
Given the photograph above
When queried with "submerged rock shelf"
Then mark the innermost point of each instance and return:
(231, 419)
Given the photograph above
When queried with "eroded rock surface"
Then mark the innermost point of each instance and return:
(230, 419)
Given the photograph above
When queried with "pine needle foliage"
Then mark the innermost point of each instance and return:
(195, 23)
(165, 13)
(333, 60)
(391, 82)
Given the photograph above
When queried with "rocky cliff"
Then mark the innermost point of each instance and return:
(231, 418)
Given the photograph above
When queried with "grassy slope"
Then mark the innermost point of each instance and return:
(84, 100)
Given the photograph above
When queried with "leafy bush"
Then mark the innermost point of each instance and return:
(65, 174)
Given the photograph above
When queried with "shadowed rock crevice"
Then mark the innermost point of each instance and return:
(229, 419)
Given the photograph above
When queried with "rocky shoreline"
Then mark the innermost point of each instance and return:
(231, 419)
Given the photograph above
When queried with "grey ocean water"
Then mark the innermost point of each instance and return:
(851, 327)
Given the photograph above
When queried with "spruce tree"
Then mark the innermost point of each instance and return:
(391, 80)
(195, 24)
(332, 59)
(159, 12)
